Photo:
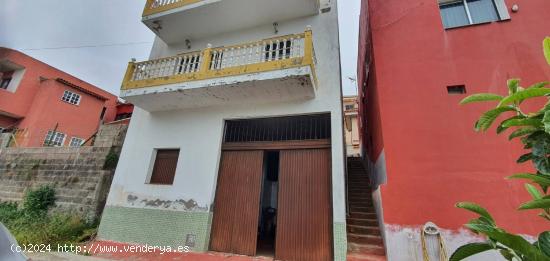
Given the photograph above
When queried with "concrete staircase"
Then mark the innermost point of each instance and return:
(364, 239)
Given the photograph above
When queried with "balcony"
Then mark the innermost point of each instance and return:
(174, 21)
(270, 70)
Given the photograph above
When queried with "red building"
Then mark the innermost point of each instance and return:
(42, 105)
(417, 60)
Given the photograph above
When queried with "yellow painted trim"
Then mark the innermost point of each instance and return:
(205, 72)
(148, 10)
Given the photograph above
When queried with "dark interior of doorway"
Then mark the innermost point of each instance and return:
(268, 205)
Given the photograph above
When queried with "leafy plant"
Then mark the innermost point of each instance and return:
(533, 129)
(32, 224)
(111, 160)
(38, 201)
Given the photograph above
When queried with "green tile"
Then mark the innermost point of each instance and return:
(155, 227)
(340, 241)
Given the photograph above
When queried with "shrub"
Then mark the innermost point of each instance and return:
(38, 201)
(111, 160)
(33, 225)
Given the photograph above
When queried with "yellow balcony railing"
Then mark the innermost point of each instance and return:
(266, 55)
(157, 6)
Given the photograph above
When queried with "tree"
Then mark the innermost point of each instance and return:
(533, 128)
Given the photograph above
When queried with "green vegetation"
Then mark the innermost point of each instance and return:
(111, 160)
(533, 128)
(33, 224)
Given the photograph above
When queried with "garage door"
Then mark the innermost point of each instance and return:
(237, 202)
(304, 221)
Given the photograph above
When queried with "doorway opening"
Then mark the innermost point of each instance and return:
(267, 225)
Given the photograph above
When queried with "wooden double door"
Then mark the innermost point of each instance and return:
(304, 215)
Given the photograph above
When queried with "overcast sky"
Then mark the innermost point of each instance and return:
(94, 40)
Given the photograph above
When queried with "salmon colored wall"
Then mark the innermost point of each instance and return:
(6, 121)
(39, 102)
(434, 158)
(80, 120)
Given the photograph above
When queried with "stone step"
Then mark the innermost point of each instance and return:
(363, 230)
(369, 207)
(363, 215)
(370, 221)
(366, 249)
(359, 198)
(365, 257)
(360, 195)
(361, 209)
(365, 239)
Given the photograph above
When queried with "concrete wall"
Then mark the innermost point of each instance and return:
(198, 135)
(77, 174)
(425, 154)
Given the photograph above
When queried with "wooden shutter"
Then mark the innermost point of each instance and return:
(237, 203)
(304, 218)
(164, 169)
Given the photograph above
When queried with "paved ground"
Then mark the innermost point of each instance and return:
(113, 251)
(56, 256)
(120, 251)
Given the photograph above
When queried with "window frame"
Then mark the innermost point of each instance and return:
(154, 157)
(500, 8)
(69, 97)
(52, 139)
(76, 138)
(5, 83)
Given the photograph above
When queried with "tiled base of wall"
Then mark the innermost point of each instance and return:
(155, 227)
(170, 228)
(340, 241)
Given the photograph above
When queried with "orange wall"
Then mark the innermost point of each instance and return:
(433, 157)
(39, 102)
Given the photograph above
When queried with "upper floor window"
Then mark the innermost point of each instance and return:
(5, 80)
(350, 107)
(71, 97)
(456, 13)
(55, 139)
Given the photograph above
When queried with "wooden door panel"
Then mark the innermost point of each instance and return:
(304, 218)
(237, 202)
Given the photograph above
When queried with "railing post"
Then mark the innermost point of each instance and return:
(129, 72)
(308, 46)
(206, 59)
(147, 10)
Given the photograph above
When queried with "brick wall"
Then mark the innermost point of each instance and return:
(77, 174)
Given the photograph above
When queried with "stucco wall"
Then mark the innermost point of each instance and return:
(198, 135)
(433, 157)
(37, 101)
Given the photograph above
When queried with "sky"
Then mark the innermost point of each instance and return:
(94, 40)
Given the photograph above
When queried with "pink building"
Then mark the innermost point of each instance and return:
(42, 105)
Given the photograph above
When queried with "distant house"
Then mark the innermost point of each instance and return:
(43, 106)
(124, 112)
(353, 145)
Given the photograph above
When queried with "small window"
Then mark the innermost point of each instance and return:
(5, 83)
(456, 89)
(456, 13)
(5, 79)
(54, 139)
(164, 168)
(76, 142)
(350, 107)
(71, 97)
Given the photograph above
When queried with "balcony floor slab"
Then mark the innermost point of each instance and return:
(289, 84)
